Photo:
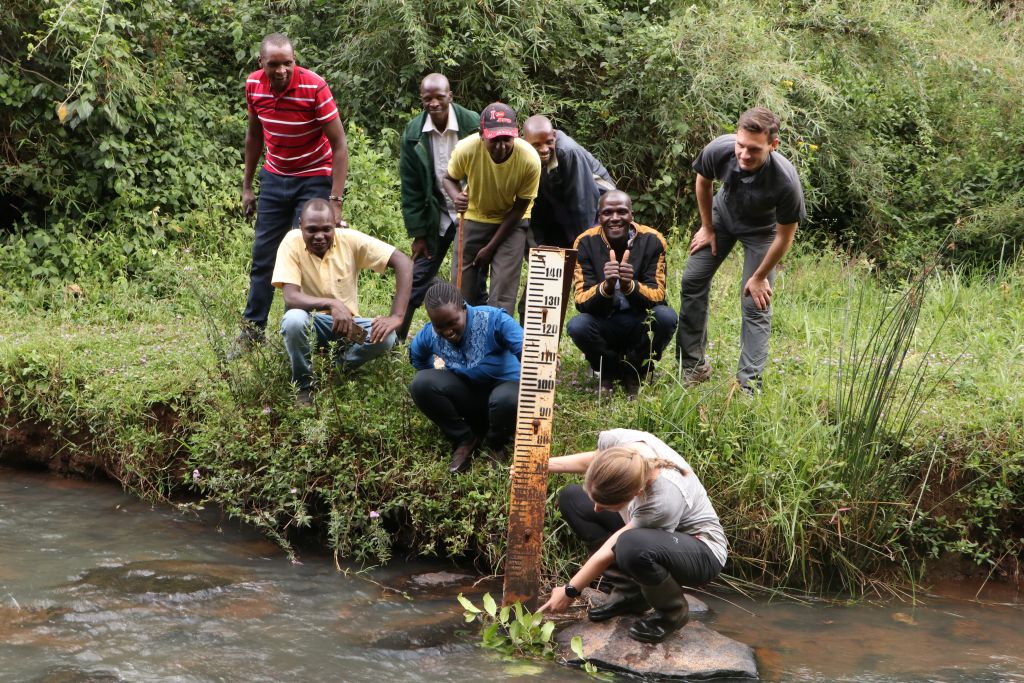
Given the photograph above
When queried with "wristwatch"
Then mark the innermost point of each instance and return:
(570, 591)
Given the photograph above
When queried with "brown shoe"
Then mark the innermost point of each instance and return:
(304, 398)
(697, 374)
(462, 455)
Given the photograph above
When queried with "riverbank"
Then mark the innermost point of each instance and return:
(130, 378)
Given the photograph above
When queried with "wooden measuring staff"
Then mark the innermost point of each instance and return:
(547, 292)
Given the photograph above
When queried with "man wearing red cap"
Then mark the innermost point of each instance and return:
(502, 173)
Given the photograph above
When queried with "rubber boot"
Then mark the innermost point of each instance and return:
(625, 598)
(671, 612)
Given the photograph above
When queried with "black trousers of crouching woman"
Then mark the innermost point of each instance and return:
(647, 555)
(464, 409)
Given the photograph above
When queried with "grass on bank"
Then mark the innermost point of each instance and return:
(134, 372)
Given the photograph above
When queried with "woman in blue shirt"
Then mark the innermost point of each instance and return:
(473, 399)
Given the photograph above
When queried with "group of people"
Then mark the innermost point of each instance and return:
(477, 183)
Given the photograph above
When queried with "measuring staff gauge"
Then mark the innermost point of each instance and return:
(547, 293)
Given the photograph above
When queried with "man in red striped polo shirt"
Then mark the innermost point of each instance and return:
(291, 112)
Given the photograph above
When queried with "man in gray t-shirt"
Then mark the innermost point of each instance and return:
(759, 204)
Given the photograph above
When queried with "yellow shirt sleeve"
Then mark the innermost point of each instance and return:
(370, 253)
(287, 270)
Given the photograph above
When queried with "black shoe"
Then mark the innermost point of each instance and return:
(498, 450)
(647, 374)
(631, 382)
(610, 371)
(752, 388)
(671, 612)
(462, 455)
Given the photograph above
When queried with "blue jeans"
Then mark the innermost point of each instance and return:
(280, 202)
(295, 328)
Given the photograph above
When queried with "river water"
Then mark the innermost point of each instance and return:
(97, 586)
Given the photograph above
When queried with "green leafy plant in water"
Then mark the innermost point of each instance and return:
(576, 645)
(514, 631)
(511, 630)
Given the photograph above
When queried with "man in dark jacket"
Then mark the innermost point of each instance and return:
(571, 182)
(623, 323)
(430, 217)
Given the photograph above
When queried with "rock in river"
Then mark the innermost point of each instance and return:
(693, 653)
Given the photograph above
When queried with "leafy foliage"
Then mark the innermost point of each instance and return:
(511, 630)
(119, 121)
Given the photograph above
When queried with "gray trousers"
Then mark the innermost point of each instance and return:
(505, 268)
(692, 336)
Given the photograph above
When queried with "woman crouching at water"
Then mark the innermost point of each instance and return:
(473, 399)
(649, 526)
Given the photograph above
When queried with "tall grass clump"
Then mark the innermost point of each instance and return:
(879, 394)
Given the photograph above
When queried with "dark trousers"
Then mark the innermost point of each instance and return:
(756, 328)
(463, 409)
(424, 270)
(639, 337)
(280, 202)
(646, 555)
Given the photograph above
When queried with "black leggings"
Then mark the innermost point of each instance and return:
(647, 555)
(463, 409)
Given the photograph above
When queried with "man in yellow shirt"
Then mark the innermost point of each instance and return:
(317, 270)
(502, 173)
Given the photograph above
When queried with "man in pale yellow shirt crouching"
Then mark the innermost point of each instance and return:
(317, 270)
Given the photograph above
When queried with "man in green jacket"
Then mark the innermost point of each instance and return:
(430, 217)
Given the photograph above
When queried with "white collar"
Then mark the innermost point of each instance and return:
(453, 123)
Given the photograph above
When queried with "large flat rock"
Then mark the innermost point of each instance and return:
(695, 652)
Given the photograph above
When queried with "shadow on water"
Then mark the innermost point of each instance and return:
(97, 586)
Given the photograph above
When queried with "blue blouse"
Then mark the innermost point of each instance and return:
(489, 350)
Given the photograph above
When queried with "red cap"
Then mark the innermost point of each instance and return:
(498, 119)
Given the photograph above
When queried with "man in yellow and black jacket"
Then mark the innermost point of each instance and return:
(623, 323)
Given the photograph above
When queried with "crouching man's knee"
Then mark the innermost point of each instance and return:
(295, 323)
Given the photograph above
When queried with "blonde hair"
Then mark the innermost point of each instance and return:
(617, 474)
